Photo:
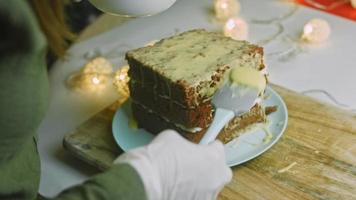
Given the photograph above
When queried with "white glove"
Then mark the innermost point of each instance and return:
(172, 168)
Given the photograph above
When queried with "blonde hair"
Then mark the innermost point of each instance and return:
(51, 17)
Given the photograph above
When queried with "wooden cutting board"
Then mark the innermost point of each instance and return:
(315, 158)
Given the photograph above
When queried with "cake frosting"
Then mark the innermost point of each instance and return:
(194, 58)
(173, 81)
(248, 77)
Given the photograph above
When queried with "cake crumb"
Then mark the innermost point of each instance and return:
(319, 130)
(271, 109)
(285, 169)
(316, 151)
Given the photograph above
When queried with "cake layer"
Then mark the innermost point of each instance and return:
(191, 66)
(199, 116)
(160, 85)
(154, 123)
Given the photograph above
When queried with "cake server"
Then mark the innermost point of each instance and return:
(229, 101)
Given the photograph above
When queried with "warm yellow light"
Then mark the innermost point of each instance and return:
(224, 5)
(98, 65)
(316, 31)
(95, 80)
(94, 76)
(225, 9)
(122, 77)
(236, 28)
(121, 80)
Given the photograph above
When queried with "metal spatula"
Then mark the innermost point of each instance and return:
(229, 101)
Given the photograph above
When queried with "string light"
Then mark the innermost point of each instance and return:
(99, 65)
(94, 76)
(316, 31)
(236, 28)
(121, 80)
(225, 9)
(95, 80)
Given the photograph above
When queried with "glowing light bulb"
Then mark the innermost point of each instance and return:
(95, 80)
(353, 3)
(96, 72)
(236, 28)
(121, 80)
(316, 31)
(98, 65)
(122, 77)
(224, 9)
(93, 76)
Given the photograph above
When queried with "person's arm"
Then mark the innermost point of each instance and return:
(23, 103)
(23, 79)
(120, 182)
(23, 99)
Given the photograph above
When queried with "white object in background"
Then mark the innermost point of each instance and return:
(200, 175)
(225, 9)
(236, 28)
(132, 8)
(316, 31)
(353, 3)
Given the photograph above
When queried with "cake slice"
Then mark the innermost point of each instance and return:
(173, 81)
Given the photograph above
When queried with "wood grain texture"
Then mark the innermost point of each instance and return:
(315, 158)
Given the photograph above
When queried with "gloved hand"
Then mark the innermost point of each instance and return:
(171, 167)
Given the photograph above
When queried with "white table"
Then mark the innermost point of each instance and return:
(330, 66)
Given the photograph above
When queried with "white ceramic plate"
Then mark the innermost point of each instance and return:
(248, 146)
